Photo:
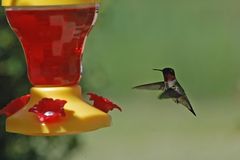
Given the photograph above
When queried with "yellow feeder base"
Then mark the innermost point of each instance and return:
(80, 116)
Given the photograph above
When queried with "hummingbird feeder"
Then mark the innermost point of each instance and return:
(53, 34)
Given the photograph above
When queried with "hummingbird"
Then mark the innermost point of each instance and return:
(170, 87)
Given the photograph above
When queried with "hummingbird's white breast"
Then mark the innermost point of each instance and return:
(171, 83)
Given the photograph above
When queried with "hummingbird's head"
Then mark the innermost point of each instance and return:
(168, 74)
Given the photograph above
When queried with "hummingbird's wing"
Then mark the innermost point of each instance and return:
(170, 93)
(151, 86)
(184, 101)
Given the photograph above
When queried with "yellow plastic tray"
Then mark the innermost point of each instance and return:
(80, 116)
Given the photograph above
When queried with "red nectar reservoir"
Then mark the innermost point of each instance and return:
(53, 41)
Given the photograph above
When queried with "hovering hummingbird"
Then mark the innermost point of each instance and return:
(170, 87)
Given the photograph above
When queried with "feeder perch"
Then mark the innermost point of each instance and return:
(53, 34)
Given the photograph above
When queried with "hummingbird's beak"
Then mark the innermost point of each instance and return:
(158, 70)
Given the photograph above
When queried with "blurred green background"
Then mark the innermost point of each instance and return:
(199, 39)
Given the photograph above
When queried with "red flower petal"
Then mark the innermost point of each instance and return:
(15, 105)
(49, 110)
(102, 103)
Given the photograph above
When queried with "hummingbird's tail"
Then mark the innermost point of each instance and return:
(184, 101)
(191, 110)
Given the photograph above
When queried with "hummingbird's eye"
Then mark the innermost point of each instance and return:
(171, 71)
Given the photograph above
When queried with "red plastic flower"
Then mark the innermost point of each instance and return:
(49, 110)
(102, 103)
(15, 105)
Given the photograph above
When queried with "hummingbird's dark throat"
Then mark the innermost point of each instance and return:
(169, 77)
